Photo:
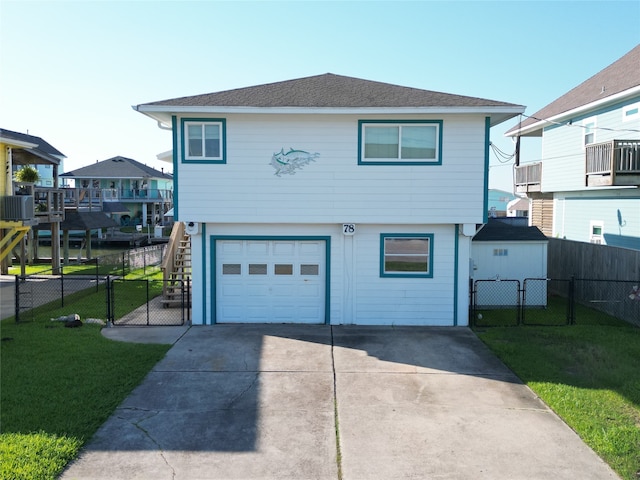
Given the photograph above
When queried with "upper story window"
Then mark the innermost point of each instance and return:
(589, 125)
(631, 112)
(410, 142)
(406, 255)
(203, 140)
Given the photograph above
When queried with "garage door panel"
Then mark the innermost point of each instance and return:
(278, 281)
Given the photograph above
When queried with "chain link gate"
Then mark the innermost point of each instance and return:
(141, 302)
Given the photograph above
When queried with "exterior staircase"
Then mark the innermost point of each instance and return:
(176, 267)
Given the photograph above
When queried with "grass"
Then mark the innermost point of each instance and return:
(58, 385)
(589, 375)
(86, 268)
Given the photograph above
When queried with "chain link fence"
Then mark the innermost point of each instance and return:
(54, 289)
(543, 301)
(142, 303)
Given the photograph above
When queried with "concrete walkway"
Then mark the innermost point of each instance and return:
(320, 402)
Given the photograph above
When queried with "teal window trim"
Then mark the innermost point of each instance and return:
(174, 131)
(487, 143)
(429, 273)
(363, 123)
(203, 246)
(456, 266)
(223, 140)
(327, 260)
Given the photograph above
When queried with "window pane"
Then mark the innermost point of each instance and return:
(284, 269)
(309, 269)
(194, 140)
(381, 142)
(406, 255)
(418, 142)
(400, 246)
(406, 264)
(257, 269)
(212, 141)
(231, 269)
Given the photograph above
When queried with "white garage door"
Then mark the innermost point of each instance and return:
(270, 281)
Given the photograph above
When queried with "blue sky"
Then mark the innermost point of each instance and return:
(70, 71)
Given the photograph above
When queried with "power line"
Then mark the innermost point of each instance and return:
(571, 124)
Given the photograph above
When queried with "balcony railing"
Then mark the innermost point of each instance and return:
(92, 199)
(613, 163)
(528, 177)
(49, 204)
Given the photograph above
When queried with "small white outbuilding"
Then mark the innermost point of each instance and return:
(502, 250)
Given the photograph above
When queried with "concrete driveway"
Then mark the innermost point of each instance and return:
(321, 402)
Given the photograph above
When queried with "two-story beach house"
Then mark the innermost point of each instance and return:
(330, 199)
(132, 192)
(585, 187)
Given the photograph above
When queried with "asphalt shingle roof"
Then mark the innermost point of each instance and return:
(621, 75)
(44, 149)
(495, 230)
(117, 167)
(329, 90)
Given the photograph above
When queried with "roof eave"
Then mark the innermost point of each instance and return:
(17, 143)
(535, 129)
(163, 113)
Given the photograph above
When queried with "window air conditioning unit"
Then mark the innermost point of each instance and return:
(18, 207)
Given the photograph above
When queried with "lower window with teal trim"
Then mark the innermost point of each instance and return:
(407, 255)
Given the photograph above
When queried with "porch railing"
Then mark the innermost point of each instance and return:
(529, 177)
(616, 160)
(93, 198)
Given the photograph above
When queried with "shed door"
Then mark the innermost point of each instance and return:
(270, 281)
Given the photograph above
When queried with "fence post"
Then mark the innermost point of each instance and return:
(17, 299)
(147, 285)
(97, 274)
(123, 274)
(108, 290)
(62, 285)
(572, 300)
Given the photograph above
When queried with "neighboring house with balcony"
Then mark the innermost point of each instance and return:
(586, 187)
(131, 192)
(330, 199)
(26, 205)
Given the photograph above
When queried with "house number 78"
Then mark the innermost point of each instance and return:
(348, 228)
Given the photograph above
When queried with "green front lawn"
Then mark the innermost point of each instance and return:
(58, 385)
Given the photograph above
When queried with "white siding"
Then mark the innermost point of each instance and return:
(334, 188)
(357, 293)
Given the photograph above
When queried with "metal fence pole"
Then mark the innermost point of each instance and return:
(62, 285)
(108, 299)
(572, 301)
(17, 299)
(147, 285)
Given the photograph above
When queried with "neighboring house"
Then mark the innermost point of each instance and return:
(133, 193)
(330, 199)
(498, 201)
(502, 250)
(25, 205)
(519, 207)
(586, 186)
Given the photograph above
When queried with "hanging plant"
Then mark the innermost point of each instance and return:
(27, 174)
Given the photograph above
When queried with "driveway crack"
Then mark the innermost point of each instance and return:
(147, 434)
(335, 409)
